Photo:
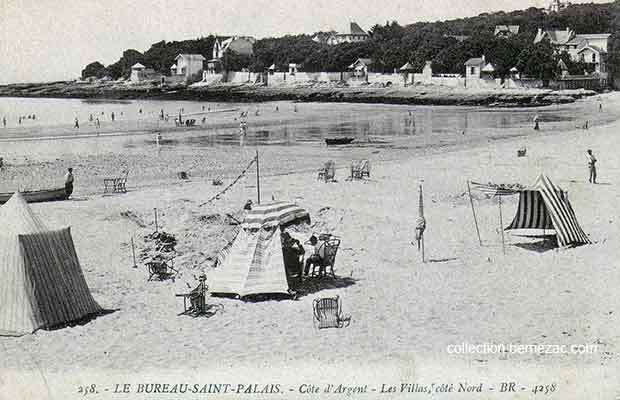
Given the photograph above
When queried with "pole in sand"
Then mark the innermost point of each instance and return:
(133, 254)
(420, 223)
(501, 223)
(473, 211)
(155, 212)
(257, 179)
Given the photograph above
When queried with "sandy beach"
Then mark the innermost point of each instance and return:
(405, 313)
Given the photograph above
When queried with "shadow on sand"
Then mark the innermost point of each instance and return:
(80, 322)
(540, 246)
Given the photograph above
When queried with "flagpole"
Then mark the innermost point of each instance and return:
(473, 211)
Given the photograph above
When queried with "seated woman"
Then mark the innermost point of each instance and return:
(317, 256)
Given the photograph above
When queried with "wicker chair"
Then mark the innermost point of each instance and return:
(331, 249)
(328, 172)
(327, 313)
(360, 169)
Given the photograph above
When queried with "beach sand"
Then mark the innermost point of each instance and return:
(405, 313)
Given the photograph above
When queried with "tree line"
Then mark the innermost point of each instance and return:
(447, 44)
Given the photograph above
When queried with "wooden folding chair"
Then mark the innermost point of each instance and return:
(197, 298)
(161, 268)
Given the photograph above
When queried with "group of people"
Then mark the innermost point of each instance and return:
(20, 119)
(293, 249)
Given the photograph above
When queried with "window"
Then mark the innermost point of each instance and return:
(593, 57)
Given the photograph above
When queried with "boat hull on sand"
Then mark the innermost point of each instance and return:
(35, 196)
(337, 141)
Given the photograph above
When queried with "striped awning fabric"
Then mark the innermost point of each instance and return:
(494, 189)
(274, 214)
(531, 212)
(557, 208)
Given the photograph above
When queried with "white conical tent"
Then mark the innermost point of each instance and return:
(254, 262)
(42, 284)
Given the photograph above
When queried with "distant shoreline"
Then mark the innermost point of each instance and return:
(414, 95)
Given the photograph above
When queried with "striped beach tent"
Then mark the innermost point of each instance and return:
(545, 206)
(41, 281)
(254, 262)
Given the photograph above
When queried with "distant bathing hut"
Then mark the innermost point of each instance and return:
(407, 71)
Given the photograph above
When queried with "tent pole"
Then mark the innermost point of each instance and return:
(257, 179)
(133, 253)
(501, 224)
(473, 211)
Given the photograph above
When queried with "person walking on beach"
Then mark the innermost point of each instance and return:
(112, 116)
(77, 124)
(4, 122)
(591, 166)
(97, 123)
(90, 117)
(536, 127)
(600, 107)
(20, 120)
(69, 182)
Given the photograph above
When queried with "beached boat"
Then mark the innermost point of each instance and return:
(339, 140)
(35, 196)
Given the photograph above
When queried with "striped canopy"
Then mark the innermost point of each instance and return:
(545, 206)
(274, 214)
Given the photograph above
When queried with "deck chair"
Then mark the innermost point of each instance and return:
(331, 248)
(328, 172)
(327, 313)
(360, 169)
(197, 299)
(117, 184)
(121, 183)
(161, 268)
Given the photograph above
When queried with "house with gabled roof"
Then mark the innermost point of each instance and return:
(590, 48)
(355, 34)
(243, 45)
(187, 65)
(506, 30)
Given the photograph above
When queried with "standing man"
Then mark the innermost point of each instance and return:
(77, 124)
(592, 166)
(112, 116)
(69, 182)
(4, 122)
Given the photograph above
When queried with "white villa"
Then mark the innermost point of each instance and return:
(187, 65)
(589, 48)
(356, 34)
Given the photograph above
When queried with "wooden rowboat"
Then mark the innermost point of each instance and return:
(339, 140)
(34, 196)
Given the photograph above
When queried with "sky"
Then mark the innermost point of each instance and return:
(46, 40)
